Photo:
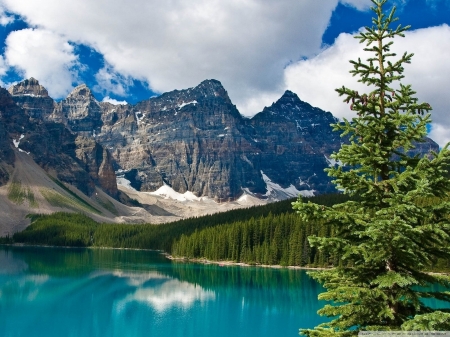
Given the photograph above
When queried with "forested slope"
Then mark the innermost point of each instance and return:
(272, 234)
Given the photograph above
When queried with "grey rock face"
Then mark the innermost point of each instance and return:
(33, 98)
(196, 140)
(82, 163)
(98, 163)
(295, 140)
(192, 139)
(80, 111)
(30, 87)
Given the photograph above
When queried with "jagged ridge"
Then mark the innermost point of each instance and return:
(196, 140)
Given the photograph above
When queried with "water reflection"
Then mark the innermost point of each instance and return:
(94, 292)
(9, 264)
(171, 293)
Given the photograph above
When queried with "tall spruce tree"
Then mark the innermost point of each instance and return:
(398, 222)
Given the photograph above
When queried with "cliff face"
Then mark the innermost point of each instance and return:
(97, 161)
(33, 98)
(193, 140)
(196, 140)
(12, 122)
(295, 140)
(80, 111)
(50, 144)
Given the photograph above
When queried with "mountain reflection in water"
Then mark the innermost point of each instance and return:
(109, 292)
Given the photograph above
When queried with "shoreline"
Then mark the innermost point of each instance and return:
(172, 258)
(240, 264)
(194, 260)
(74, 247)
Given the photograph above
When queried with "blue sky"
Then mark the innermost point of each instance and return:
(131, 51)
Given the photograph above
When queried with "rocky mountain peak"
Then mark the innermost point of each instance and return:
(79, 111)
(81, 91)
(291, 107)
(212, 88)
(29, 87)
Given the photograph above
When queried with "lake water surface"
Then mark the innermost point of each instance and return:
(105, 292)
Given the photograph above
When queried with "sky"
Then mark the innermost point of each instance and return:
(128, 51)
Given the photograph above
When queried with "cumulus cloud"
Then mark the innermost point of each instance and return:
(44, 55)
(110, 81)
(114, 101)
(176, 44)
(358, 4)
(252, 46)
(5, 18)
(316, 79)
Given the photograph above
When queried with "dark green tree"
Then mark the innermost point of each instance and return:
(387, 236)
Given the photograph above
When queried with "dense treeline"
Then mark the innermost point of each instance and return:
(270, 234)
(271, 240)
(59, 229)
(69, 229)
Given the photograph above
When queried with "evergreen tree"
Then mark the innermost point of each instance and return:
(385, 235)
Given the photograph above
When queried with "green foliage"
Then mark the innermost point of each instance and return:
(73, 198)
(388, 235)
(268, 240)
(31, 200)
(108, 205)
(54, 229)
(16, 193)
(5, 240)
(59, 229)
(435, 321)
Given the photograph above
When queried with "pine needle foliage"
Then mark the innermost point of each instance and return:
(387, 238)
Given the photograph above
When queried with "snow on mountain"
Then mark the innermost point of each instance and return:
(17, 143)
(125, 182)
(169, 193)
(276, 192)
(184, 104)
(332, 162)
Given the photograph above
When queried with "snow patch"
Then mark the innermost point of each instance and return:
(31, 95)
(332, 162)
(139, 119)
(301, 182)
(125, 182)
(20, 150)
(180, 106)
(169, 193)
(276, 192)
(17, 143)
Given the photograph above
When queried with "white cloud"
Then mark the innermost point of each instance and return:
(358, 4)
(110, 81)
(5, 18)
(114, 101)
(3, 66)
(45, 56)
(251, 46)
(440, 132)
(316, 79)
(177, 44)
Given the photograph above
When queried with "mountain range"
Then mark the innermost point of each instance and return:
(190, 145)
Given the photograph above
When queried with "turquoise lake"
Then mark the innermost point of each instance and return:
(106, 292)
(129, 293)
